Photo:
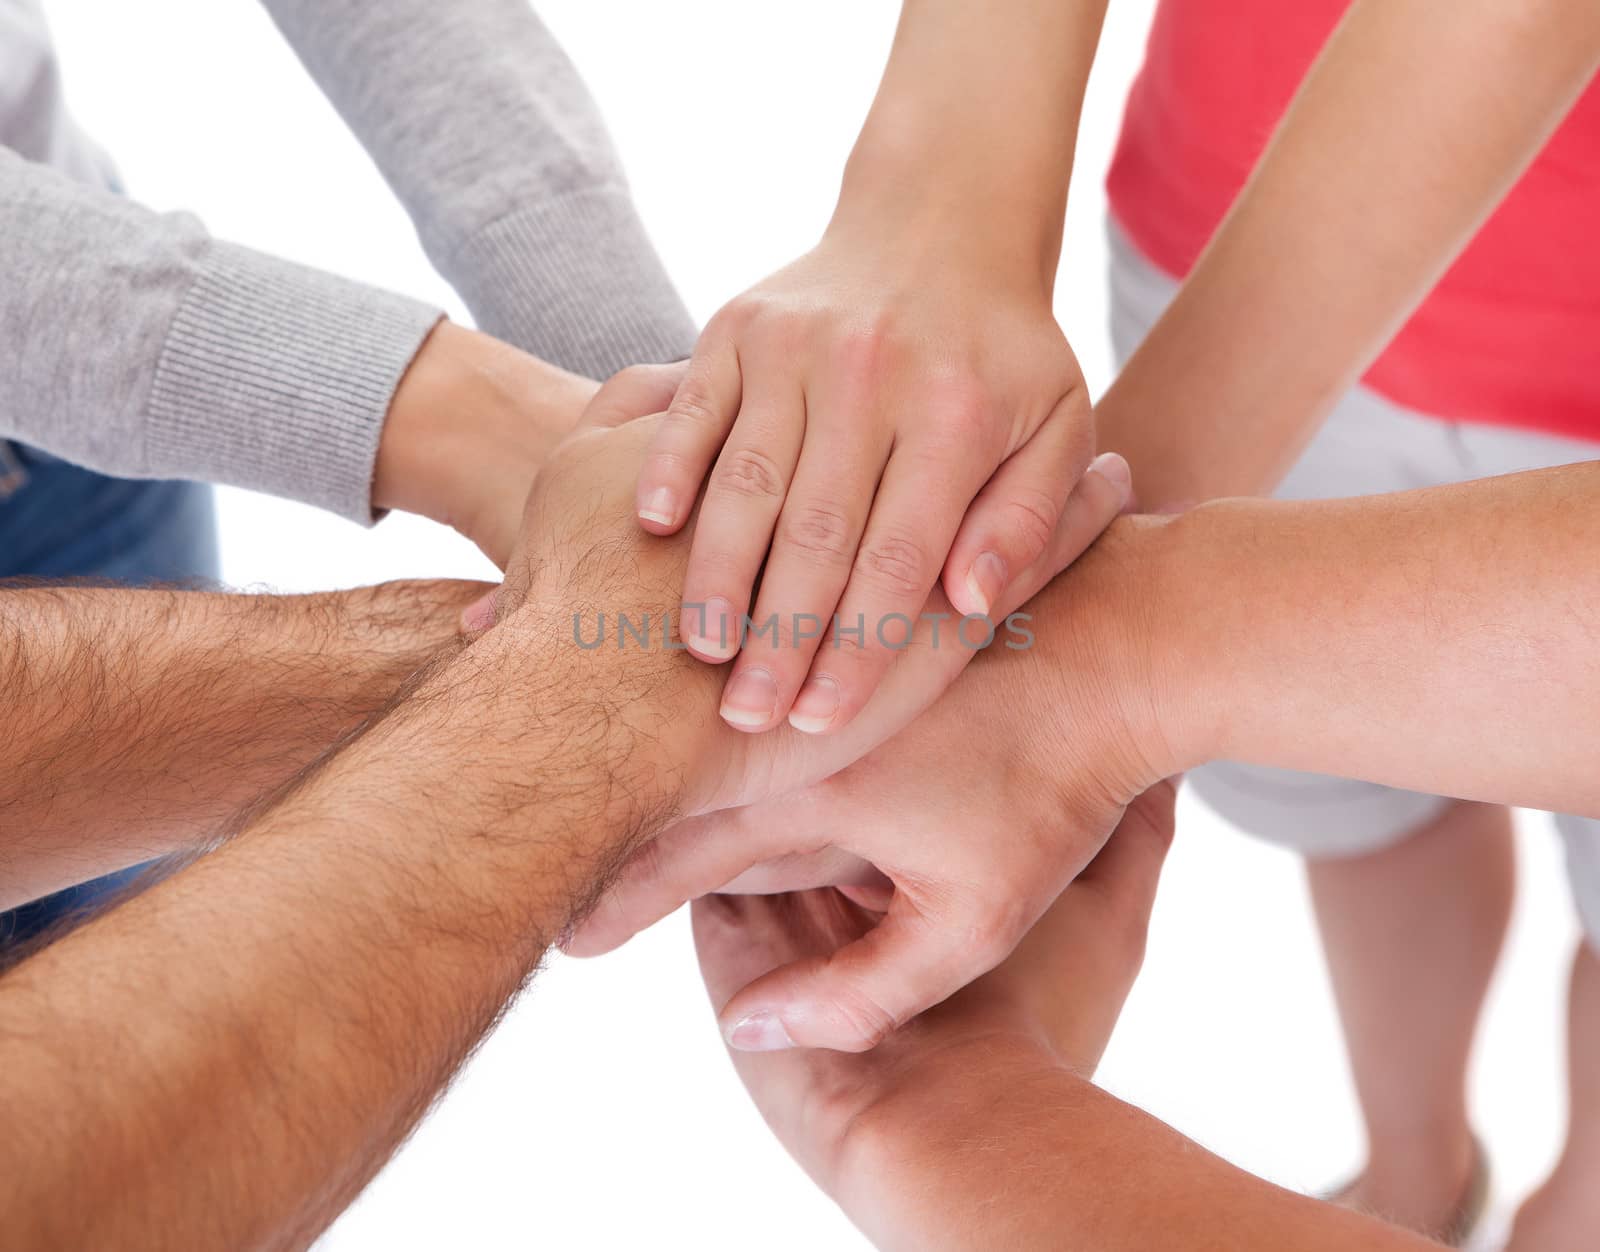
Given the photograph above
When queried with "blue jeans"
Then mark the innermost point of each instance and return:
(59, 521)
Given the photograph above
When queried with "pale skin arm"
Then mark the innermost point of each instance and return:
(976, 1126)
(139, 722)
(1414, 123)
(1445, 641)
(1442, 641)
(474, 420)
(898, 405)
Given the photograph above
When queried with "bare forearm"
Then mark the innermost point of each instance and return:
(470, 426)
(1015, 1151)
(320, 977)
(976, 122)
(141, 721)
(1441, 640)
(1412, 126)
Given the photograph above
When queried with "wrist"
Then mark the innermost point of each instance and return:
(522, 778)
(1111, 642)
(469, 426)
(644, 709)
(400, 625)
(906, 189)
(925, 1115)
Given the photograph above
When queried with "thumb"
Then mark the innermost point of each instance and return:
(853, 998)
(479, 616)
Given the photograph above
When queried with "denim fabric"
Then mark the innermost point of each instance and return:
(58, 521)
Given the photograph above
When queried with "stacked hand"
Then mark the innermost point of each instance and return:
(977, 815)
(1006, 821)
(582, 566)
(885, 414)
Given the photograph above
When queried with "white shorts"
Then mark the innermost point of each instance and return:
(1368, 446)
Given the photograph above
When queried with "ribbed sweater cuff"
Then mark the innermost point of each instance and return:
(574, 280)
(278, 377)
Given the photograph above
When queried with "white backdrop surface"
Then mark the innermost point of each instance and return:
(603, 1113)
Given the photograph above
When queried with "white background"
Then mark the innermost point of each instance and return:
(603, 1113)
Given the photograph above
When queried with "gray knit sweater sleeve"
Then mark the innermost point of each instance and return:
(138, 345)
(486, 133)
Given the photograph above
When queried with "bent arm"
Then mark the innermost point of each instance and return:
(1413, 124)
(484, 129)
(141, 722)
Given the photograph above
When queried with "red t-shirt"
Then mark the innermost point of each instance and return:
(1510, 336)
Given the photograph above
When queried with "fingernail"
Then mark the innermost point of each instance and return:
(1111, 467)
(750, 698)
(658, 507)
(759, 1032)
(816, 705)
(713, 628)
(986, 580)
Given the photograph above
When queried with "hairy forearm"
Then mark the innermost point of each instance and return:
(976, 123)
(1414, 123)
(998, 1145)
(321, 976)
(142, 721)
(1442, 640)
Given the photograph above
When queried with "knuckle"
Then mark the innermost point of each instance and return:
(847, 648)
(866, 1021)
(965, 407)
(694, 406)
(865, 348)
(820, 530)
(1030, 517)
(996, 928)
(751, 473)
(733, 318)
(782, 331)
(895, 563)
(677, 466)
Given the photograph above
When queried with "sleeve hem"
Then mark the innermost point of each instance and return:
(278, 378)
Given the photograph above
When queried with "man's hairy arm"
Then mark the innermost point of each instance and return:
(224, 1060)
(138, 722)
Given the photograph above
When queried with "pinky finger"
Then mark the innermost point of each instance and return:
(1104, 492)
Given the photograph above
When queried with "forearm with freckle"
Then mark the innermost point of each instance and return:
(320, 977)
(1414, 123)
(1445, 640)
(1015, 1151)
(977, 120)
(141, 721)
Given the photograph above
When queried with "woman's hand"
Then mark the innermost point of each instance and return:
(1052, 1004)
(978, 814)
(898, 407)
(883, 412)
